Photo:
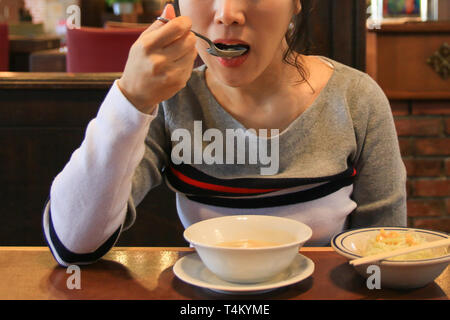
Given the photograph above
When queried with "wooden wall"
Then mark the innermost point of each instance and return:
(444, 10)
(337, 30)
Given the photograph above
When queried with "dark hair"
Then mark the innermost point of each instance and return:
(298, 38)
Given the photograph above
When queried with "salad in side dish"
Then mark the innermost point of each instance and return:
(386, 241)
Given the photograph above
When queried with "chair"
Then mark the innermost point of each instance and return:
(98, 49)
(4, 48)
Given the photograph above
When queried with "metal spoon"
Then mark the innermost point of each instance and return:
(213, 49)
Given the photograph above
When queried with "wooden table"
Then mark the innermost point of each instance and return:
(146, 274)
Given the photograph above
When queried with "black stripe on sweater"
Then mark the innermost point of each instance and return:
(257, 183)
(71, 257)
(275, 201)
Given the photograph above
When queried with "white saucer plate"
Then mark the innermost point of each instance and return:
(191, 269)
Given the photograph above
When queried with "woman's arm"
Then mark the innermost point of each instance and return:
(380, 183)
(88, 199)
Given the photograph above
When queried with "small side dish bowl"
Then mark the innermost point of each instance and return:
(249, 248)
(398, 274)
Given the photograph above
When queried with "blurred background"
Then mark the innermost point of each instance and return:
(54, 78)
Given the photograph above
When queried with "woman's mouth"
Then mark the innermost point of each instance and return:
(232, 45)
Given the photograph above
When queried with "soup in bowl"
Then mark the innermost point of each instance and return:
(249, 248)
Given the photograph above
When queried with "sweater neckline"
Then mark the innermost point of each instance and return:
(312, 112)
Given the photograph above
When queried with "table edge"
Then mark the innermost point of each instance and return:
(180, 249)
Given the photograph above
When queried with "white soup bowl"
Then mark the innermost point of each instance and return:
(283, 239)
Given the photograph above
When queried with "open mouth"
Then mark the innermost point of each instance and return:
(233, 47)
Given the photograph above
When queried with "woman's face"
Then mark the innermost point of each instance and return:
(260, 24)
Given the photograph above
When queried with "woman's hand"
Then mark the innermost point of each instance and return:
(160, 62)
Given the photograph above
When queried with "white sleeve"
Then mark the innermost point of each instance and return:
(88, 198)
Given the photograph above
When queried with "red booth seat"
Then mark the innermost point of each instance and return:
(4, 47)
(98, 49)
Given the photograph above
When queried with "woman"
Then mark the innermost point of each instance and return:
(334, 158)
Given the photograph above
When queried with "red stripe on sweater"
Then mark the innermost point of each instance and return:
(210, 186)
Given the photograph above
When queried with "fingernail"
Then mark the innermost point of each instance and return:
(165, 10)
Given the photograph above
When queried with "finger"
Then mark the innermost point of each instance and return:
(180, 47)
(187, 59)
(168, 13)
(171, 32)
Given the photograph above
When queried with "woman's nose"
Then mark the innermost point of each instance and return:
(229, 12)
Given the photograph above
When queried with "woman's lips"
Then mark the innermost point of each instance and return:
(236, 61)
(233, 62)
(231, 41)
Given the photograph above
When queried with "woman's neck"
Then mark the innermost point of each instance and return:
(276, 81)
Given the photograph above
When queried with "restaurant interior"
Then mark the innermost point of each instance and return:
(58, 59)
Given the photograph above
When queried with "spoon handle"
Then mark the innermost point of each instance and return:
(202, 37)
(197, 34)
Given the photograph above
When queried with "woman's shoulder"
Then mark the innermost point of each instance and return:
(360, 91)
(354, 80)
(357, 94)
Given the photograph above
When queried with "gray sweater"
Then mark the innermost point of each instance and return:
(336, 166)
